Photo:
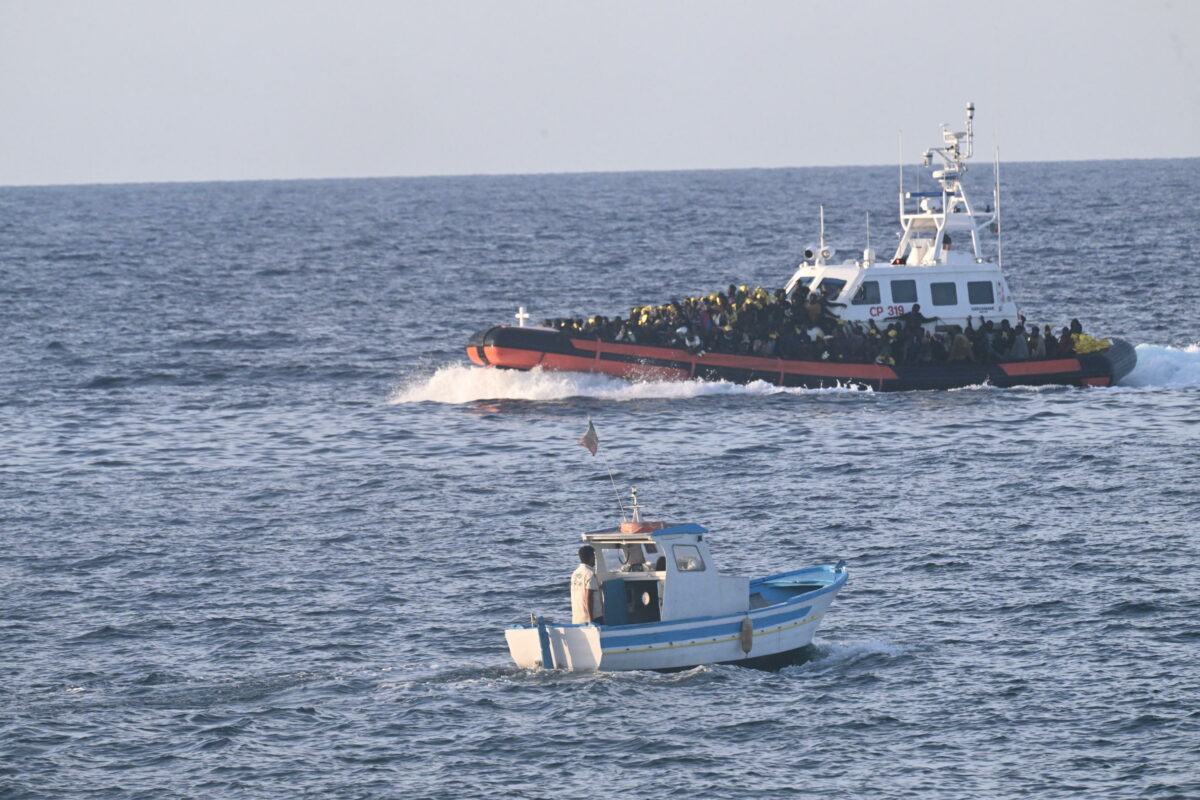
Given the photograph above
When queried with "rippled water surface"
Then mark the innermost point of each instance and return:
(263, 525)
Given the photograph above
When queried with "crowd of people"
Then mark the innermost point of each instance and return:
(806, 326)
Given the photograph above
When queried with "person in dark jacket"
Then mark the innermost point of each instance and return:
(1037, 345)
(1066, 345)
(1051, 343)
(914, 318)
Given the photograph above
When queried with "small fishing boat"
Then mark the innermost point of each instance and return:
(665, 606)
(939, 265)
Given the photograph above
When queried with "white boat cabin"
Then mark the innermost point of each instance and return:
(651, 572)
(938, 262)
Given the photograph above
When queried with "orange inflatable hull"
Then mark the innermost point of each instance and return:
(507, 347)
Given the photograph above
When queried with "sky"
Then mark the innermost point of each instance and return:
(196, 90)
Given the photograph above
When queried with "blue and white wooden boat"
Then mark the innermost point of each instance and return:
(666, 607)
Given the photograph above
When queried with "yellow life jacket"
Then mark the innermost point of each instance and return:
(1085, 344)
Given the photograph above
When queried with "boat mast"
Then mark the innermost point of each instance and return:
(635, 506)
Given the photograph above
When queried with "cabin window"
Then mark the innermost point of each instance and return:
(832, 287)
(805, 282)
(944, 294)
(611, 558)
(904, 291)
(979, 293)
(868, 294)
(687, 558)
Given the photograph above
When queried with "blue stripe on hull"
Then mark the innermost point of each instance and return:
(668, 632)
(717, 650)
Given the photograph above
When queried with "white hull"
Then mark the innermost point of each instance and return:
(777, 629)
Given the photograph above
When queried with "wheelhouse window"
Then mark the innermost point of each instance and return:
(612, 558)
(944, 294)
(979, 293)
(904, 291)
(687, 558)
(832, 287)
(867, 294)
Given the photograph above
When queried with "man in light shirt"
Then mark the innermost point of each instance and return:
(585, 589)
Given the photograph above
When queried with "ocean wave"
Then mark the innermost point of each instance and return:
(458, 383)
(1165, 367)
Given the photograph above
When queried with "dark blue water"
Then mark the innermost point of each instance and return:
(262, 527)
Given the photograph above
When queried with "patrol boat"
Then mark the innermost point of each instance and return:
(666, 607)
(938, 263)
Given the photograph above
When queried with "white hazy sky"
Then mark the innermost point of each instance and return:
(156, 90)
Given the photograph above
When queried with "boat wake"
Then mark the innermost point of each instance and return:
(458, 383)
(1165, 368)
(840, 658)
(1157, 367)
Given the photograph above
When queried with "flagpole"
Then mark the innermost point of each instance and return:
(613, 481)
(591, 441)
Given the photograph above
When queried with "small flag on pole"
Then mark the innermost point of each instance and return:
(590, 440)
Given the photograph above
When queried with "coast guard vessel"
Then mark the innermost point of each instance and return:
(666, 607)
(938, 264)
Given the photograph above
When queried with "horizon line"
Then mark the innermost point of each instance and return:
(631, 171)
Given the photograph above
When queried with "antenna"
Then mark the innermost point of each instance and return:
(868, 257)
(900, 162)
(620, 505)
(999, 227)
(821, 246)
(970, 130)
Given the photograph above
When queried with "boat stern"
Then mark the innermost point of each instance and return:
(1121, 358)
(575, 648)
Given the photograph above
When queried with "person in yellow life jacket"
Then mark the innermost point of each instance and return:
(813, 308)
(1083, 344)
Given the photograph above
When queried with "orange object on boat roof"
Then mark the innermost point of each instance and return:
(639, 526)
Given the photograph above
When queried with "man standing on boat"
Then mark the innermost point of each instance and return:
(914, 318)
(585, 589)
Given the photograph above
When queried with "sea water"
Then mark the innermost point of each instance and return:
(262, 525)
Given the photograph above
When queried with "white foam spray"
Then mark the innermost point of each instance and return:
(1157, 367)
(458, 383)
(1165, 367)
